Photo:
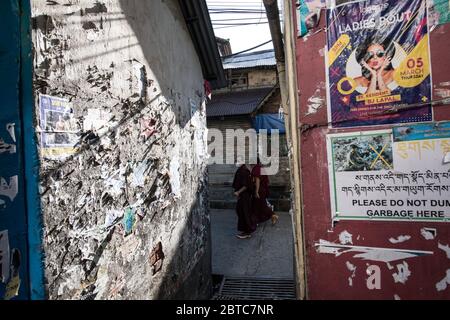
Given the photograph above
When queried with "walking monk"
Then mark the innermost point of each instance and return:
(242, 185)
(261, 211)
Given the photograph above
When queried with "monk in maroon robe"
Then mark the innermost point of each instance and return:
(261, 210)
(242, 185)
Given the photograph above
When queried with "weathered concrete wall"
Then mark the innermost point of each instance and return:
(131, 71)
(260, 78)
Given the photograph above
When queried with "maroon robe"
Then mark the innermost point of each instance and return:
(261, 211)
(242, 178)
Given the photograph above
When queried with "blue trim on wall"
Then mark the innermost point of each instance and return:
(31, 157)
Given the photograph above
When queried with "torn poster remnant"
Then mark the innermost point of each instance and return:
(10, 189)
(4, 256)
(7, 148)
(10, 128)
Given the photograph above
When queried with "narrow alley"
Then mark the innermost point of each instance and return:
(212, 150)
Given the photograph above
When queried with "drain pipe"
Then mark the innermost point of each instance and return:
(288, 88)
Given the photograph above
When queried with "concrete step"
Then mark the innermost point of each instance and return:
(283, 205)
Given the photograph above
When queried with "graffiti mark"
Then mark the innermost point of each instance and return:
(396, 297)
(399, 239)
(403, 273)
(10, 189)
(428, 233)
(373, 282)
(369, 253)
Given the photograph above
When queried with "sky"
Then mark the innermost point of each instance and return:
(241, 37)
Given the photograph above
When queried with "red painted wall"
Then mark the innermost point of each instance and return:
(328, 275)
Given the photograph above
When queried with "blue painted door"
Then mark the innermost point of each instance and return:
(14, 275)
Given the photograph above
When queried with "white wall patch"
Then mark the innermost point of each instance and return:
(345, 237)
(399, 239)
(445, 248)
(351, 268)
(442, 285)
(428, 233)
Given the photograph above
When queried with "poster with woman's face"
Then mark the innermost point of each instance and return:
(378, 63)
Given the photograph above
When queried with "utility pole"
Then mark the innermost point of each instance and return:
(288, 89)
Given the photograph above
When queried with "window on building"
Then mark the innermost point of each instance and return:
(239, 79)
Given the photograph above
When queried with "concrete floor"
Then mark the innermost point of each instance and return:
(268, 253)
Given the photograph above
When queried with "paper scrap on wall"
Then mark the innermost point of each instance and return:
(59, 127)
(4, 256)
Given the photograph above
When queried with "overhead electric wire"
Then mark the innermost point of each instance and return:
(246, 50)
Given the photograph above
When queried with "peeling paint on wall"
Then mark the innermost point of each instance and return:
(136, 150)
(317, 101)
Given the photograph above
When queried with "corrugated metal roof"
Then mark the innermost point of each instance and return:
(250, 60)
(236, 102)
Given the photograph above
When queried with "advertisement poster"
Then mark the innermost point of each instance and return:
(398, 174)
(378, 60)
(308, 15)
(439, 12)
(59, 127)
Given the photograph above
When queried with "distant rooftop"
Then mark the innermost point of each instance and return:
(250, 59)
(237, 102)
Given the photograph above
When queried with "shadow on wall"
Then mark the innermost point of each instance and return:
(169, 52)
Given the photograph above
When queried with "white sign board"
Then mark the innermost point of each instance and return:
(398, 174)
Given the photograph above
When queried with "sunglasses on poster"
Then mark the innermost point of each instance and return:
(372, 54)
